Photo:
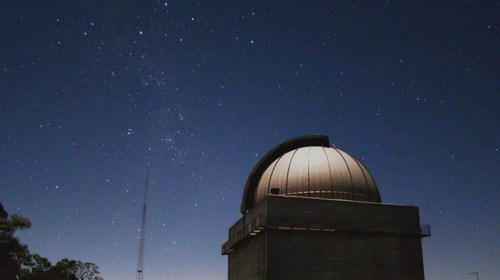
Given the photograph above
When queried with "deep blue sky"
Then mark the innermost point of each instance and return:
(93, 92)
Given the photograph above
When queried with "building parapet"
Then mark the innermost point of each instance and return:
(259, 223)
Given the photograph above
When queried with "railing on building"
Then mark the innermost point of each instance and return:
(256, 225)
(425, 230)
(252, 228)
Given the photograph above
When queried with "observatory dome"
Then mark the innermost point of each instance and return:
(310, 166)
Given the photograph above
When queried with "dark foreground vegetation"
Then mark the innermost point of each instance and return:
(18, 263)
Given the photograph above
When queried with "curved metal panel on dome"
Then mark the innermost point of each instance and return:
(309, 166)
(340, 178)
(320, 177)
(297, 175)
(270, 157)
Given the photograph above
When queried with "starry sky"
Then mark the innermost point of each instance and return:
(94, 91)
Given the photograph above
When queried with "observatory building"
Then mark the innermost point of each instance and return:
(312, 211)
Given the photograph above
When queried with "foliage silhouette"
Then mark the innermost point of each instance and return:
(17, 263)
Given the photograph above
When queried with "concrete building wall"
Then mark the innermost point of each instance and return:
(303, 255)
(249, 262)
(340, 215)
(342, 255)
(311, 238)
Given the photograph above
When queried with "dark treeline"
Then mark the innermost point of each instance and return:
(18, 263)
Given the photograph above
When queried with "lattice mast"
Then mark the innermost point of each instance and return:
(140, 259)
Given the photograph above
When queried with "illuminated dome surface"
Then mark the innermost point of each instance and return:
(310, 166)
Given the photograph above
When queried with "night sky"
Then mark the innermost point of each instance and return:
(91, 93)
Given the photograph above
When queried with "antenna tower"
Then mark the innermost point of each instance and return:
(140, 259)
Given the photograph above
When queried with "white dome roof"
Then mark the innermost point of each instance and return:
(309, 166)
(325, 172)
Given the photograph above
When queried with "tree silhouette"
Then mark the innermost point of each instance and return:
(13, 254)
(36, 267)
(16, 262)
(86, 271)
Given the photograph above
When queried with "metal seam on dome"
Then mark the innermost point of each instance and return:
(364, 175)
(254, 178)
(288, 171)
(329, 170)
(377, 197)
(313, 167)
(270, 177)
(348, 169)
(309, 172)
